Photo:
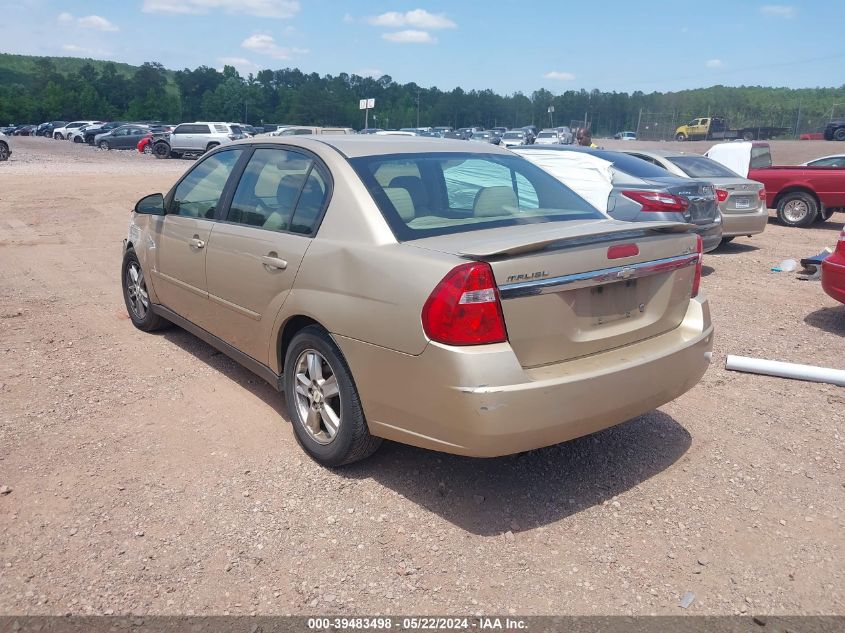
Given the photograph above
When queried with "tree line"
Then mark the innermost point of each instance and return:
(106, 91)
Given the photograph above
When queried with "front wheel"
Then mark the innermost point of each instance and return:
(680, 137)
(797, 209)
(104, 145)
(58, 137)
(77, 139)
(136, 297)
(4, 151)
(325, 410)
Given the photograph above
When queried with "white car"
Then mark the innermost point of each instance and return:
(77, 135)
(63, 133)
(834, 160)
(548, 137)
(514, 138)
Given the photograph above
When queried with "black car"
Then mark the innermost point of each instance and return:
(92, 131)
(24, 130)
(123, 137)
(835, 130)
(461, 135)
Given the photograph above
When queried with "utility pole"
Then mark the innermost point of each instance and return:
(418, 108)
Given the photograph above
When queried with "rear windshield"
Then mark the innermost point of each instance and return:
(547, 135)
(514, 134)
(422, 195)
(632, 165)
(702, 167)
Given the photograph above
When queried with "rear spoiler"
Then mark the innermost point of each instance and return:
(519, 246)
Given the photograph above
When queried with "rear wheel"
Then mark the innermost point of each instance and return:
(77, 139)
(797, 209)
(748, 135)
(161, 150)
(680, 136)
(323, 403)
(839, 134)
(148, 149)
(211, 146)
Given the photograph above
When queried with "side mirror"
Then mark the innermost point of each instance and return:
(151, 205)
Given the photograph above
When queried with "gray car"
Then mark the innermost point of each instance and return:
(742, 202)
(123, 137)
(628, 188)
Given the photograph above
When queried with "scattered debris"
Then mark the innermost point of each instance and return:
(786, 370)
(786, 266)
(686, 600)
(4, 490)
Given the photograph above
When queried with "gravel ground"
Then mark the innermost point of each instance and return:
(151, 474)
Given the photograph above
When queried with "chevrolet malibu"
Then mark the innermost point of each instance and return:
(443, 294)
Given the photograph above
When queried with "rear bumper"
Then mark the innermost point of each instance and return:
(480, 402)
(735, 224)
(711, 235)
(833, 277)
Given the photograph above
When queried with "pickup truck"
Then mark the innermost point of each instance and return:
(716, 128)
(835, 130)
(801, 194)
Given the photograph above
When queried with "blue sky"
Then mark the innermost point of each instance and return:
(505, 45)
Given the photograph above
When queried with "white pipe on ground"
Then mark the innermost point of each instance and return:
(786, 370)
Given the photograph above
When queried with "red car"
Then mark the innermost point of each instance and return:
(833, 271)
(144, 144)
(802, 195)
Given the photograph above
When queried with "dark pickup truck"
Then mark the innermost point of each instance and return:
(835, 130)
(801, 194)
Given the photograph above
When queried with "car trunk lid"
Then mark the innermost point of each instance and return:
(703, 208)
(574, 289)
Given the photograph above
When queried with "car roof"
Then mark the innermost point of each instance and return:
(356, 145)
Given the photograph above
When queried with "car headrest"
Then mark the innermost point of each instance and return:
(494, 201)
(401, 200)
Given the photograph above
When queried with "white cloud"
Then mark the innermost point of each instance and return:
(80, 51)
(348, 19)
(241, 64)
(559, 75)
(260, 8)
(375, 73)
(264, 44)
(778, 10)
(410, 37)
(713, 63)
(418, 18)
(94, 22)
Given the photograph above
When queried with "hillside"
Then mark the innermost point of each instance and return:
(24, 69)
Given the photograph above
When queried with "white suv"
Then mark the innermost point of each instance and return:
(197, 138)
(63, 133)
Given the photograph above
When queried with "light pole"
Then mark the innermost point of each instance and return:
(418, 109)
(551, 115)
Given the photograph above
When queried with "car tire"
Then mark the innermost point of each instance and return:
(104, 145)
(839, 134)
(77, 139)
(328, 422)
(135, 295)
(748, 136)
(797, 209)
(680, 137)
(4, 152)
(161, 150)
(148, 149)
(726, 240)
(211, 146)
(58, 137)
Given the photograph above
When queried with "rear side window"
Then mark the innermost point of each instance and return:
(458, 192)
(761, 158)
(702, 167)
(199, 192)
(221, 129)
(280, 190)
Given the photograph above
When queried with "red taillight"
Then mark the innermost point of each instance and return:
(658, 201)
(721, 195)
(464, 308)
(696, 280)
(622, 250)
(761, 193)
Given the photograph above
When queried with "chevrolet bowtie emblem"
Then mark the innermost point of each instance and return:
(625, 273)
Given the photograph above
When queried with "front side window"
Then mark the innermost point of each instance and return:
(459, 192)
(199, 192)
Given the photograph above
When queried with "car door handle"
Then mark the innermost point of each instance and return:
(197, 242)
(274, 263)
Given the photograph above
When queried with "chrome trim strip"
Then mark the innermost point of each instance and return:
(596, 277)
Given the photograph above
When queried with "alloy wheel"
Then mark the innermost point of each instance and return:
(317, 396)
(136, 290)
(795, 210)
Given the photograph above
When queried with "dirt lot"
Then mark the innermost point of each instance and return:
(150, 474)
